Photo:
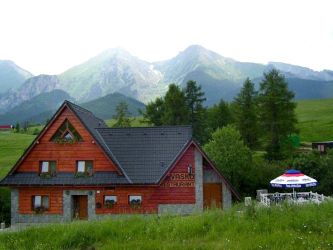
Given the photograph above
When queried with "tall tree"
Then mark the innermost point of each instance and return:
(277, 113)
(122, 116)
(195, 98)
(17, 127)
(245, 114)
(154, 112)
(175, 108)
(219, 116)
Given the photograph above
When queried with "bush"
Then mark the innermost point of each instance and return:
(317, 166)
(5, 205)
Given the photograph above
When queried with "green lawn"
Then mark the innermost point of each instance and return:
(286, 227)
(12, 146)
(315, 119)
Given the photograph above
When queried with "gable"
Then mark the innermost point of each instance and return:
(65, 154)
(66, 133)
(208, 165)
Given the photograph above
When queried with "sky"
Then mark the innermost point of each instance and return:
(49, 37)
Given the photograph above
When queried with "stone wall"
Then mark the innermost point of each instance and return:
(182, 209)
(68, 203)
(198, 180)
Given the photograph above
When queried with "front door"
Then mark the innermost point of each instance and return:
(80, 207)
(212, 193)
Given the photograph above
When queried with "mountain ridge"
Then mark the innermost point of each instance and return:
(116, 70)
(12, 76)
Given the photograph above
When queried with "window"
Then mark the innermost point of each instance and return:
(47, 168)
(66, 133)
(84, 167)
(135, 200)
(110, 200)
(40, 203)
(321, 148)
(68, 136)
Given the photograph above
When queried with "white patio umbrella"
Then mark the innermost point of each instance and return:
(293, 179)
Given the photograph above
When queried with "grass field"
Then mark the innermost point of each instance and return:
(286, 227)
(315, 119)
(12, 146)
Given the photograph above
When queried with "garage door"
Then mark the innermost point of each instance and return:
(212, 195)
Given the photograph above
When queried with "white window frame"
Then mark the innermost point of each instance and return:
(113, 198)
(134, 197)
(79, 165)
(38, 201)
(45, 164)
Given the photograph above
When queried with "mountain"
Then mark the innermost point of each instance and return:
(11, 76)
(42, 107)
(30, 88)
(197, 58)
(34, 107)
(105, 107)
(220, 77)
(114, 70)
(294, 71)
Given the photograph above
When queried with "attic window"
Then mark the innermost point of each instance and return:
(66, 133)
(68, 136)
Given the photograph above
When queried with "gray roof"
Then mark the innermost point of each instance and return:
(99, 178)
(142, 154)
(146, 153)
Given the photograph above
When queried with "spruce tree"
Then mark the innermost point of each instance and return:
(277, 113)
(122, 116)
(175, 108)
(219, 116)
(195, 98)
(245, 114)
(154, 112)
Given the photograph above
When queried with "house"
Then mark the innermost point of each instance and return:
(6, 127)
(78, 168)
(323, 146)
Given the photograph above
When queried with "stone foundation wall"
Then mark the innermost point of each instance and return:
(181, 209)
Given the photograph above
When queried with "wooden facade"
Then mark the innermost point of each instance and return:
(178, 190)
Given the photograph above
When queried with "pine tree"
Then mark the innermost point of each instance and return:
(245, 114)
(175, 108)
(154, 112)
(219, 116)
(195, 98)
(17, 127)
(277, 113)
(122, 116)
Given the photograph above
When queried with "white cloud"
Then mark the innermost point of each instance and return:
(51, 36)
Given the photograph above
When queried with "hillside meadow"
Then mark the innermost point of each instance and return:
(280, 227)
(315, 119)
(12, 146)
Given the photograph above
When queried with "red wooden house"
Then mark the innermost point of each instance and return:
(78, 168)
